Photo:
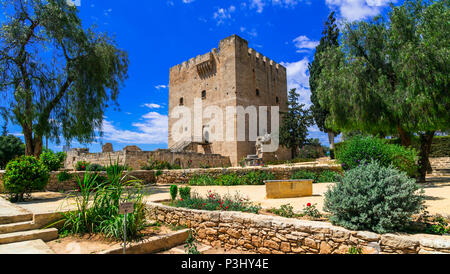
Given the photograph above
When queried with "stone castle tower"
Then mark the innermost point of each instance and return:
(234, 75)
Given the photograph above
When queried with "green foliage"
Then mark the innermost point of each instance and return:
(358, 149)
(173, 192)
(53, 161)
(24, 175)
(232, 179)
(294, 130)
(215, 201)
(81, 165)
(158, 165)
(64, 176)
(374, 197)
(10, 148)
(311, 211)
(440, 147)
(98, 206)
(185, 192)
(355, 250)
(191, 243)
(328, 176)
(440, 226)
(304, 175)
(329, 39)
(286, 211)
(95, 167)
(63, 92)
(293, 161)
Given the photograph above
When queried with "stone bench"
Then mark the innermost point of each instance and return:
(277, 189)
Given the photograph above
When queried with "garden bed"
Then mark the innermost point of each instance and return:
(99, 244)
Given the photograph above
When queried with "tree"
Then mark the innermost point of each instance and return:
(10, 147)
(57, 77)
(329, 39)
(294, 130)
(391, 76)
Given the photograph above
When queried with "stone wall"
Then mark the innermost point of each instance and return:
(135, 159)
(276, 235)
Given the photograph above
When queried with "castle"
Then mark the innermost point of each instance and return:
(232, 76)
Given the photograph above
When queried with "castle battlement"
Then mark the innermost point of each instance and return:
(257, 58)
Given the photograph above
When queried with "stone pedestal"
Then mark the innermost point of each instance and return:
(288, 189)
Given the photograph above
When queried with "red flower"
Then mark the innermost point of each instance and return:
(308, 204)
(181, 199)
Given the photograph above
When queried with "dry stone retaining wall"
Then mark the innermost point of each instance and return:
(276, 235)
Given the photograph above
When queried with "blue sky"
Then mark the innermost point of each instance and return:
(159, 34)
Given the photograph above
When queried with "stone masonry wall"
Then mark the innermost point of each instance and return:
(137, 159)
(276, 235)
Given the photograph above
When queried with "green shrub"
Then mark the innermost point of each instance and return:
(10, 147)
(81, 165)
(202, 180)
(215, 201)
(64, 176)
(257, 177)
(374, 197)
(95, 167)
(286, 211)
(185, 192)
(24, 175)
(159, 165)
(311, 211)
(232, 179)
(53, 161)
(358, 149)
(304, 175)
(328, 176)
(173, 192)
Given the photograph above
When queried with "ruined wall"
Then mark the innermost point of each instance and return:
(277, 235)
(136, 159)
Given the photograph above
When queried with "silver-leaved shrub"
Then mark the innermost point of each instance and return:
(374, 197)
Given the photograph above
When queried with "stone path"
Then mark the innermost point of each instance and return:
(27, 247)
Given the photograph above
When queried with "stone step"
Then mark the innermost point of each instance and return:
(15, 227)
(10, 219)
(21, 236)
(26, 247)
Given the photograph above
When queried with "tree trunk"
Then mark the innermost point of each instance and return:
(331, 141)
(405, 137)
(425, 147)
(33, 145)
(293, 153)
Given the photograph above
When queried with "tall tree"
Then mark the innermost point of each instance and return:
(391, 76)
(57, 78)
(330, 38)
(294, 130)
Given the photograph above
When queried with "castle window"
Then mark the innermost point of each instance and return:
(257, 92)
(181, 101)
(204, 94)
(277, 99)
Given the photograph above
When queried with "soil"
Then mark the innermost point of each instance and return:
(96, 243)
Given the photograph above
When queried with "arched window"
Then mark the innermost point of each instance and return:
(257, 92)
(204, 94)
(181, 101)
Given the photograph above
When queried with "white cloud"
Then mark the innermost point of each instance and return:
(154, 130)
(260, 4)
(223, 14)
(304, 44)
(298, 78)
(252, 32)
(158, 87)
(151, 106)
(188, 1)
(353, 10)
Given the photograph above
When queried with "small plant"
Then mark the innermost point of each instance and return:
(304, 175)
(81, 165)
(439, 226)
(64, 176)
(328, 176)
(191, 244)
(95, 167)
(173, 192)
(284, 211)
(311, 210)
(185, 193)
(354, 250)
(24, 175)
